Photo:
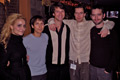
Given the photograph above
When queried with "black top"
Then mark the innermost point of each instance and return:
(16, 54)
(50, 47)
(103, 50)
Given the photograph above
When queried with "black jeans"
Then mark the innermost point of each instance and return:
(40, 77)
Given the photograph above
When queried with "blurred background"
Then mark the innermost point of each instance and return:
(30, 8)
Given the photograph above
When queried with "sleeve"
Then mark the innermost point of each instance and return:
(47, 38)
(115, 52)
(51, 21)
(91, 24)
(108, 24)
(25, 42)
(68, 22)
(4, 58)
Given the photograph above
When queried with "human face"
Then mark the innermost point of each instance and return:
(18, 28)
(97, 16)
(59, 14)
(79, 14)
(38, 26)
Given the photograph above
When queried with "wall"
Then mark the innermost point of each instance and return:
(6, 9)
(2, 15)
(24, 9)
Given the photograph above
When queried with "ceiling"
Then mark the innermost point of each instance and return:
(108, 2)
(104, 2)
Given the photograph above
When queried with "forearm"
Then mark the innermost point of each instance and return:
(66, 21)
(108, 24)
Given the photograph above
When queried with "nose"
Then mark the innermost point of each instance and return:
(96, 17)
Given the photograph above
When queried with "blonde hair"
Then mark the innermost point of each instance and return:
(6, 30)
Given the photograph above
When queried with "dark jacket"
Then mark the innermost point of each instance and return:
(50, 47)
(16, 54)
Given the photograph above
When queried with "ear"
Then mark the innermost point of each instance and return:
(104, 15)
(53, 14)
(11, 27)
(32, 26)
(84, 14)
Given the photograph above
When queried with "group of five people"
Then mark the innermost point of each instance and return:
(61, 50)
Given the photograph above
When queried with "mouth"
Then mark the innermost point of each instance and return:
(21, 31)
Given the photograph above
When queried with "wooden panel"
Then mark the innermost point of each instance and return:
(24, 8)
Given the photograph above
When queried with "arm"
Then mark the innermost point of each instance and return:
(4, 57)
(114, 52)
(108, 24)
(52, 26)
(66, 21)
(105, 30)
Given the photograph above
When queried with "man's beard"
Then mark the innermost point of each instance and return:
(98, 23)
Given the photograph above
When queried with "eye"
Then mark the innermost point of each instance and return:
(19, 25)
(99, 14)
(24, 26)
(92, 15)
(36, 23)
(42, 23)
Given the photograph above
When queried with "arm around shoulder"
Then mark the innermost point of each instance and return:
(108, 24)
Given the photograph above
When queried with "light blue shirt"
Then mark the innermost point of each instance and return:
(36, 50)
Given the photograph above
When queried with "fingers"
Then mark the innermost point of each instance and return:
(106, 72)
(27, 57)
(104, 33)
(8, 63)
(52, 27)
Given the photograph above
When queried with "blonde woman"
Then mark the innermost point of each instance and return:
(12, 50)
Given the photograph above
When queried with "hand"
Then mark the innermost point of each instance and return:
(27, 57)
(106, 72)
(104, 32)
(8, 63)
(52, 27)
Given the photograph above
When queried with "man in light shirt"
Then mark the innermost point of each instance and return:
(80, 42)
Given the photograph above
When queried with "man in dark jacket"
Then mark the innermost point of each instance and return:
(57, 56)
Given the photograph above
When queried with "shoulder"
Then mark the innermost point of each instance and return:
(2, 49)
(1, 45)
(27, 38)
(45, 35)
(67, 27)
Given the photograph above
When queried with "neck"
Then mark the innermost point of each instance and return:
(37, 34)
(100, 25)
(58, 24)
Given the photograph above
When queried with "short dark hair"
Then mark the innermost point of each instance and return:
(81, 6)
(33, 19)
(55, 5)
(97, 7)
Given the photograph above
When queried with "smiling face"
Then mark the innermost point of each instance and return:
(79, 14)
(97, 16)
(18, 28)
(59, 14)
(38, 26)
